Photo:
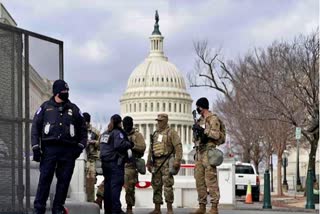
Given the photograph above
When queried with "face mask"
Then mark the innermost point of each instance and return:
(64, 96)
(127, 129)
(198, 110)
(162, 124)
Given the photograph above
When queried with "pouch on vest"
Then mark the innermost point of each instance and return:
(173, 170)
(141, 166)
(158, 149)
(215, 157)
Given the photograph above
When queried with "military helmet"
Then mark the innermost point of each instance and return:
(215, 157)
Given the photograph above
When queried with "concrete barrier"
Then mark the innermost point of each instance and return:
(185, 192)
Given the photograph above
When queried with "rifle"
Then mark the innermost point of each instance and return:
(152, 157)
(196, 136)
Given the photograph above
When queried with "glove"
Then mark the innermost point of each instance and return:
(132, 144)
(79, 149)
(176, 165)
(37, 154)
(149, 167)
(197, 127)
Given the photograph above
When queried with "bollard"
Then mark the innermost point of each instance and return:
(266, 194)
(309, 191)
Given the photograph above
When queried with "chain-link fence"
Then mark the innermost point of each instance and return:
(29, 63)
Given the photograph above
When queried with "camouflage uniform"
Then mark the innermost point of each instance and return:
(205, 174)
(92, 150)
(100, 190)
(131, 174)
(165, 141)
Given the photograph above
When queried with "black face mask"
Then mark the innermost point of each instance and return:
(198, 110)
(127, 129)
(64, 96)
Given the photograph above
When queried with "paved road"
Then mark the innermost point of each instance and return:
(186, 211)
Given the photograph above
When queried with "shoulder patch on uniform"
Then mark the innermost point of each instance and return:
(39, 110)
(104, 138)
(121, 135)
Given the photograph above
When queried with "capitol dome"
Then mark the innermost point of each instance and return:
(157, 86)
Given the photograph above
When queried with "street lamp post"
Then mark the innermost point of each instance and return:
(271, 174)
(285, 164)
(298, 136)
(298, 184)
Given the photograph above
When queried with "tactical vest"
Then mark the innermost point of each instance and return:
(59, 124)
(160, 143)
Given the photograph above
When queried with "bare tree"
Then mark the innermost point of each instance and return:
(210, 71)
(276, 88)
(288, 85)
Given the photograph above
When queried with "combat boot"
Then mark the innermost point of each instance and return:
(99, 201)
(214, 209)
(200, 210)
(157, 209)
(169, 208)
(129, 209)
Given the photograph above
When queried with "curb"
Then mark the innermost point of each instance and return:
(278, 209)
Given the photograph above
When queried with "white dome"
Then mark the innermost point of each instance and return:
(156, 73)
(157, 86)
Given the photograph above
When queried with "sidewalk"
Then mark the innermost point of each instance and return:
(281, 203)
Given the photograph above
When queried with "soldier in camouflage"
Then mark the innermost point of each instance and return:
(208, 129)
(100, 194)
(165, 143)
(131, 173)
(92, 150)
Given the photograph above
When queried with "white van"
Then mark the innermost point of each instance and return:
(245, 174)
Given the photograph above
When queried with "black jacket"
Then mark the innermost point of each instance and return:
(114, 144)
(58, 123)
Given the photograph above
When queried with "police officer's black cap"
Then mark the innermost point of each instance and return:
(87, 117)
(203, 103)
(116, 119)
(127, 121)
(58, 86)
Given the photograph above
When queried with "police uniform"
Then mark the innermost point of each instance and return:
(58, 137)
(206, 174)
(165, 143)
(131, 173)
(113, 149)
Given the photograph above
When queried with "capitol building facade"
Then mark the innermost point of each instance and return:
(157, 86)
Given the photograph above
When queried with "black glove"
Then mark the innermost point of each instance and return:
(79, 149)
(37, 154)
(131, 144)
(197, 128)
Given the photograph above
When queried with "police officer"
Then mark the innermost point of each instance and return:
(208, 128)
(92, 150)
(58, 137)
(131, 173)
(114, 146)
(165, 144)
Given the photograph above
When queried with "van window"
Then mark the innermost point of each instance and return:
(241, 169)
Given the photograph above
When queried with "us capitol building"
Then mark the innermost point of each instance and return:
(157, 86)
